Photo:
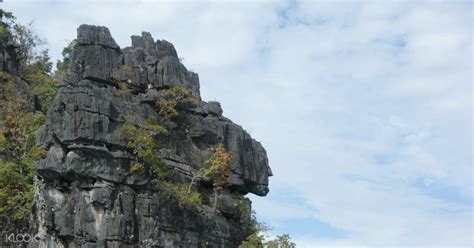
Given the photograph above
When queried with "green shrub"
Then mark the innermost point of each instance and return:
(257, 240)
(257, 231)
(137, 168)
(253, 241)
(218, 169)
(142, 141)
(37, 75)
(254, 229)
(180, 192)
(281, 241)
(174, 99)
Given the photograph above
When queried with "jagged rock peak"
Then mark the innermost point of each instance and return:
(155, 65)
(145, 41)
(95, 35)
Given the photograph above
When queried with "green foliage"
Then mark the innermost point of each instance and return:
(27, 42)
(20, 37)
(137, 168)
(6, 17)
(17, 147)
(257, 231)
(151, 125)
(35, 67)
(38, 78)
(41, 62)
(253, 241)
(18, 121)
(218, 169)
(63, 65)
(180, 191)
(3, 32)
(257, 239)
(46, 91)
(173, 99)
(6, 22)
(142, 141)
(248, 218)
(281, 241)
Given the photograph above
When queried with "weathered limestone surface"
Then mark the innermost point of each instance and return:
(8, 60)
(86, 194)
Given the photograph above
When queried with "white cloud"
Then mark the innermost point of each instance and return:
(365, 109)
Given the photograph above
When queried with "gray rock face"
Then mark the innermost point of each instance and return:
(87, 195)
(8, 60)
(156, 65)
(91, 35)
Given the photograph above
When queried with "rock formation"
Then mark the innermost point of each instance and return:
(86, 194)
(8, 60)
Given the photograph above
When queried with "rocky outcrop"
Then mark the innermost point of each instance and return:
(8, 59)
(87, 195)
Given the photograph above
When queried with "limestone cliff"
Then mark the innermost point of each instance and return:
(87, 195)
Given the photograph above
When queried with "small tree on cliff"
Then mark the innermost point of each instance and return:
(141, 139)
(218, 170)
(172, 100)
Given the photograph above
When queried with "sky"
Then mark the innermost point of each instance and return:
(364, 107)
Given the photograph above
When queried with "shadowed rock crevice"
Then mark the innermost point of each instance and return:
(88, 195)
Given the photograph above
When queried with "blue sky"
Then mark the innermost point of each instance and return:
(364, 107)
